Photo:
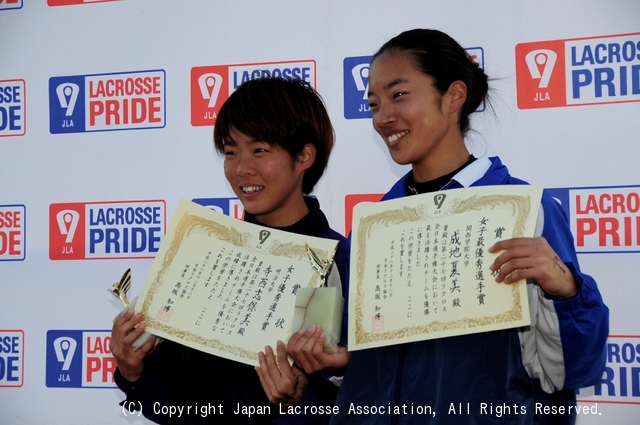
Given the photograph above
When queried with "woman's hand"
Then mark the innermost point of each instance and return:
(123, 334)
(307, 350)
(533, 258)
(281, 382)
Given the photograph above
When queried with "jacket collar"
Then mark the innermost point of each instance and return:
(488, 169)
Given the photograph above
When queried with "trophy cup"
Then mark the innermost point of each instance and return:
(321, 306)
(119, 290)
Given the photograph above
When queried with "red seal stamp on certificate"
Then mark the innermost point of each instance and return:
(377, 322)
(164, 314)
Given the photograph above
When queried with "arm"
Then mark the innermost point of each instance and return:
(281, 382)
(287, 383)
(533, 258)
(306, 347)
(147, 376)
(568, 317)
(126, 330)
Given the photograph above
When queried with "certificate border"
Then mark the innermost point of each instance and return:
(520, 207)
(190, 223)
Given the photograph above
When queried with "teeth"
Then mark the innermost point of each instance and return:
(251, 189)
(396, 136)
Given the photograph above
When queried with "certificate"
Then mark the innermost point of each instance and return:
(225, 286)
(420, 265)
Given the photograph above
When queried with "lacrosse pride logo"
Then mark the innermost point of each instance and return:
(106, 102)
(79, 359)
(211, 85)
(11, 358)
(580, 71)
(12, 232)
(110, 229)
(12, 108)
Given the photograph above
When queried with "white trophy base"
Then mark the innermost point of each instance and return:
(145, 336)
(320, 307)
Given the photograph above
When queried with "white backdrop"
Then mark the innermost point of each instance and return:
(55, 311)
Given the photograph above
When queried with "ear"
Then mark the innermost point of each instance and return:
(307, 157)
(456, 95)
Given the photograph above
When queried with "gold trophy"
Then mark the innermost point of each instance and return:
(323, 267)
(119, 290)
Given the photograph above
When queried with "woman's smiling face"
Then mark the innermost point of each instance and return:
(411, 116)
(266, 179)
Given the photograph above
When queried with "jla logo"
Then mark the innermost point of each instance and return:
(79, 359)
(104, 102)
(580, 71)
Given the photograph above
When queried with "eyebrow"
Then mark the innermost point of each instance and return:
(391, 85)
(230, 142)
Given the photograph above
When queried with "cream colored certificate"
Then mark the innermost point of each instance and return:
(224, 286)
(420, 265)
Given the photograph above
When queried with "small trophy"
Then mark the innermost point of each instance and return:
(119, 290)
(320, 306)
(323, 267)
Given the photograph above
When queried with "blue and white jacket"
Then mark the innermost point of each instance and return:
(506, 376)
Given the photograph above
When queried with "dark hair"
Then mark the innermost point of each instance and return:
(285, 112)
(443, 59)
